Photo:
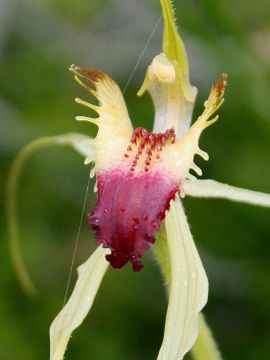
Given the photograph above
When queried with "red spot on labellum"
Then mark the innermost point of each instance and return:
(145, 144)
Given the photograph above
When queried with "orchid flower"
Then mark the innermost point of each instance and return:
(140, 178)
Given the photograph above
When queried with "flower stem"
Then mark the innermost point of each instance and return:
(12, 221)
(71, 139)
(205, 347)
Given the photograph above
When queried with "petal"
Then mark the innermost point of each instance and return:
(215, 189)
(72, 139)
(167, 80)
(82, 143)
(180, 154)
(188, 290)
(73, 313)
(114, 126)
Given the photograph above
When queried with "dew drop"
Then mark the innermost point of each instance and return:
(95, 221)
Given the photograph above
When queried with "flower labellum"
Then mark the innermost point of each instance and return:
(133, 198)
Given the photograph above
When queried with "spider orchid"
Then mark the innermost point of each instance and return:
(141, 176)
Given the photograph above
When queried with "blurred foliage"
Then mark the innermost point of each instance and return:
(38, 41)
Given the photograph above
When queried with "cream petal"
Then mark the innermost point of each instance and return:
(215, 189)
(90, 275)
(188, 290)
(83, 144)
(114, 125)
(180, 154)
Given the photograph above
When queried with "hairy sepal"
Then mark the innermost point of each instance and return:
(173, 100)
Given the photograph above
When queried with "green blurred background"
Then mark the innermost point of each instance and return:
(39, 39)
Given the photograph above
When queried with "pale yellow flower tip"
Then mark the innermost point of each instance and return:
(216, 96)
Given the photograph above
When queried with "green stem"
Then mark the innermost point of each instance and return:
(71, 139)
(12, 220)
(205, 347)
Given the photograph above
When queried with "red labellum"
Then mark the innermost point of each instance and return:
(129, 211)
